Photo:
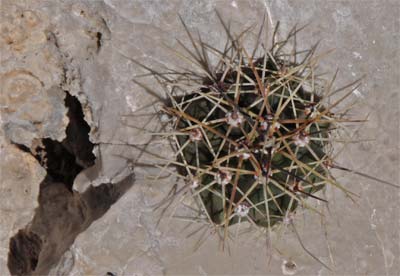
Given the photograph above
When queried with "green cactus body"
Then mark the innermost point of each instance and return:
(252, 162)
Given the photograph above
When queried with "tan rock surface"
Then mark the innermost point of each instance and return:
(84, 47)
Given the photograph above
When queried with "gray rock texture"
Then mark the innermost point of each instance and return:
(52, 51)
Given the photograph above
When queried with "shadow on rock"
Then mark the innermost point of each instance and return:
(61, 216)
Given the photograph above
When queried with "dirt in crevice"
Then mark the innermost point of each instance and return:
(25, 247)
(62, 213)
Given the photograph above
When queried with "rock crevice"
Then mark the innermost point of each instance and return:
(62, 213)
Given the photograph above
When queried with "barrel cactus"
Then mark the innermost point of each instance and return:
(252, 135)
(253, 141)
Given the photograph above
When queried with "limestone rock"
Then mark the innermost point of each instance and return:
(20, 176)
(31, 104)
